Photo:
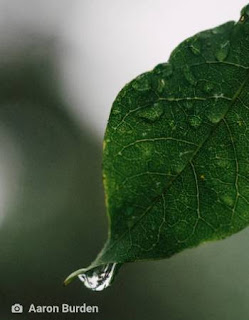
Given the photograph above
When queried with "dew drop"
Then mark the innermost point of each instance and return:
(189, 75)
(172, 124)
(223, 163)
(142, 83)
(195, 48)
(189, 105)
(195, 121)
(222, 53)
(214, 117)
(161, 85)
(242, 18)
(99, 278)
(244, 13)
(214, 31)
(208, 87)
(116, 111)
(164, 69)
(152, 113)
(228, 200)
(178, 168)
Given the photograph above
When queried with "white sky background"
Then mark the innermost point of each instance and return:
(106, 43)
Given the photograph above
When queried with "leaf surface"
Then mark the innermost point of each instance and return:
(175, 162)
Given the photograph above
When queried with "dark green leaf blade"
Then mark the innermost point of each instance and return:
(175, 161)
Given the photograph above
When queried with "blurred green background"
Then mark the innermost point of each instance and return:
(52, 215)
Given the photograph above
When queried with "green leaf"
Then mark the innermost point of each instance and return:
(175, 166)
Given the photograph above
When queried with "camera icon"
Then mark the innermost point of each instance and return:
(17, 308)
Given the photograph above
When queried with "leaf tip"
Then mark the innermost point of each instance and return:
(73, 276)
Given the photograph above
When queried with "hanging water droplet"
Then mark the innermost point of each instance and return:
(164, 69)
(189, 75)
(142, 83)
(152, 113)
(195, 121)
(222, 53)
(99, 278)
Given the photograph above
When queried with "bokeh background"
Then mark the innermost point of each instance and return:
(61, 65)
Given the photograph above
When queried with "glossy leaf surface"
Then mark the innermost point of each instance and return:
(175, 163)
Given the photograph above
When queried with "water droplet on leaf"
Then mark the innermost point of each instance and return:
(172, 124)
(208, 87)
(189, 75)
(116, 110)
(195, 48)
(214, 117)
(195, 121)
(223, 163)
(164, 69)
(228, 200)
(142, 83)
(222, 53)
(152, 113)
(244, 13)
(99, 278)
(215, 31)
(161, 85)
(189, 105)
(178, 168)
